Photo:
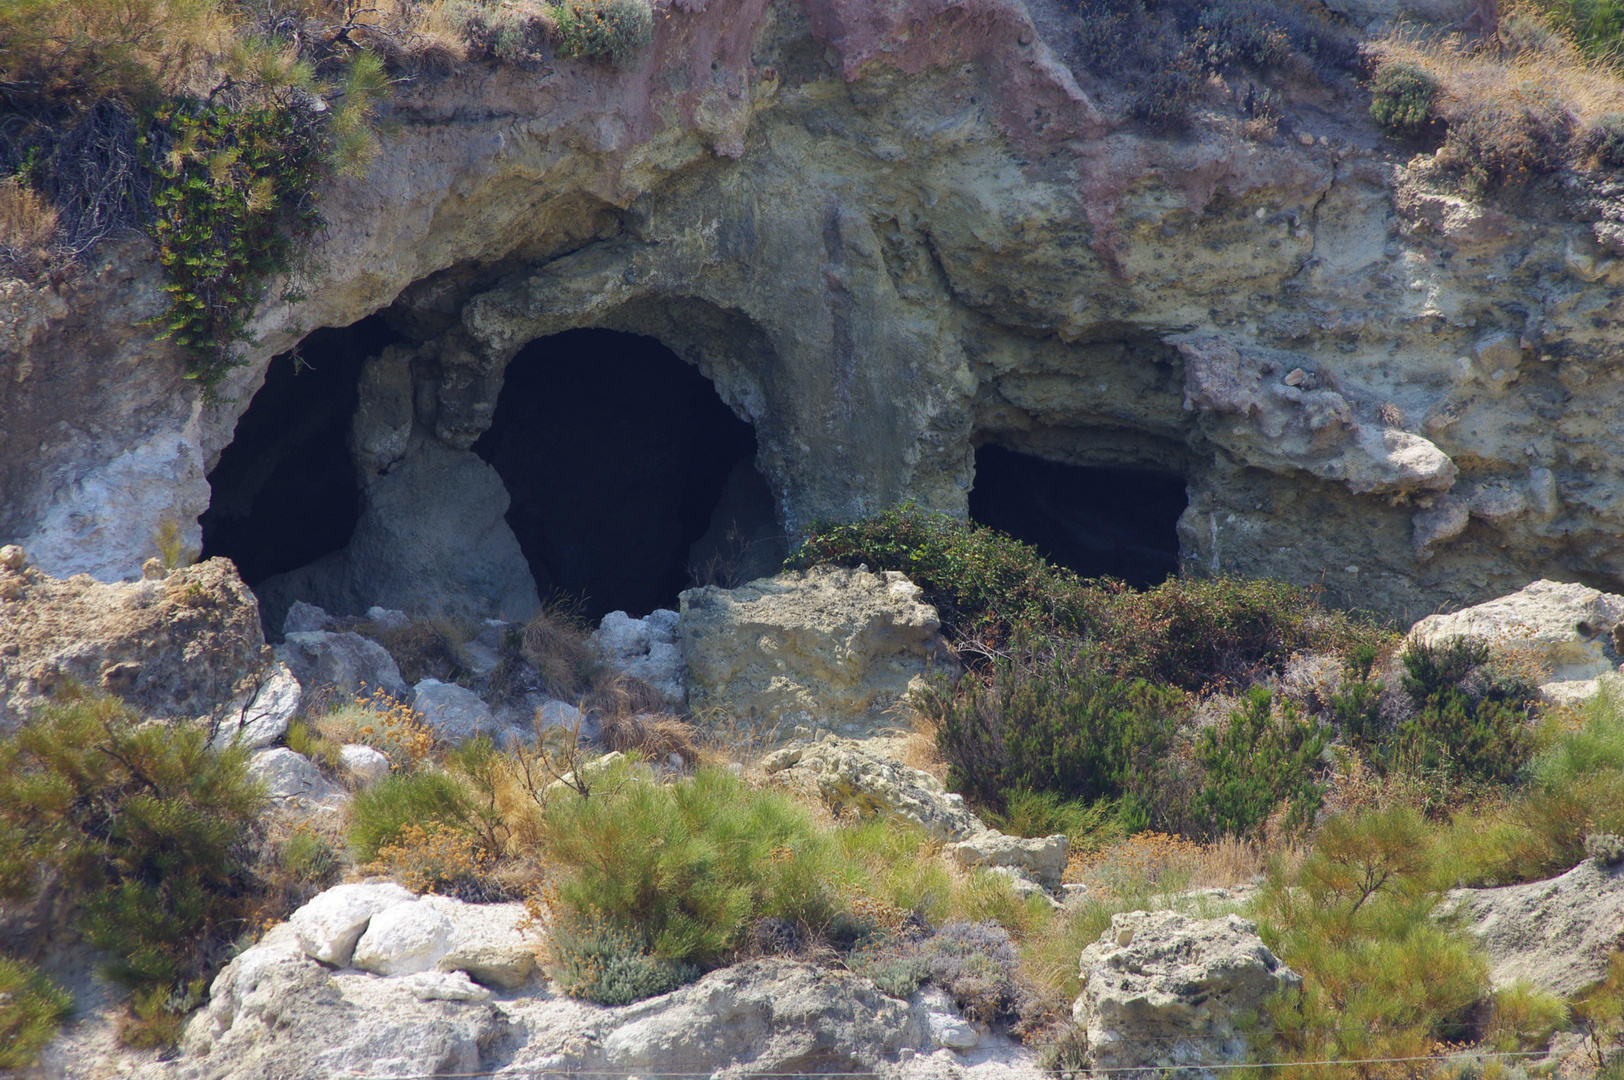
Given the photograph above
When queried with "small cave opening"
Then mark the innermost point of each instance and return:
(1098, 521)
(630, 479)
(284, 492)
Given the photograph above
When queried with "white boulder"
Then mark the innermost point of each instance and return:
(447, 986)
(403, 940)
(292, 780)
(364, 763)
(646, 648)
(265, 718)
(455, 713)
(328, 927)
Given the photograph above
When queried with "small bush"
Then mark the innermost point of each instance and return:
(1056, 725)
(608, 29)
(1605, 140)
(1402, 97)
(976, 963)
(1263, 756)
(147, 828)
(596, 961)
(27, 225)
(31, 1009)
(1508, 143)
(1469, 724)
(381, 814)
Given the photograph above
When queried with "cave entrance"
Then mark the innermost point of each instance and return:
(284, 492)
(1117, 522)
(630, 479)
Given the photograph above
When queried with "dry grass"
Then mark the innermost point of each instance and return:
(653, 736)
(1166, 863)
(27, 224)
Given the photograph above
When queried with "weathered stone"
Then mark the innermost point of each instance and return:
(404, 939)
(496, 944)
(265, 718)
(828, 647)
(646, 648)
(188, 645)
(1043, 859)
(1557, 935)
(328, 927)
(447, 986)
(347, 662)
(293, 781)
(1163, 990)
(455, 713)
(366, 764)
(382, 426)
(853, 779)
(302, 618)
(1566, 628)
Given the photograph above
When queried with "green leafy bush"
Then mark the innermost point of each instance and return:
(610, 29)
(596, 961)
(146, 827)
(380, 814)
(1605, 140)
(1056, 724)
(31, 1008)
(1383, 977)
(1469, 724)
(1402, 98)
(1263, 756)
(976, 963)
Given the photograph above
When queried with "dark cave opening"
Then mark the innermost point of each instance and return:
(284, 492)
(625, 469)
(1115, 522)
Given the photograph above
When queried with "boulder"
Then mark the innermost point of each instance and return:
(1163, 990)
(185, 644)
(496, 944)
(403, 940)
(827, 647)
(364, 763)
(1555, 934)
(302, 618)
(456, 713)
(348, 662)
(292, 780)
(447, 986)
(1565, 627)
(1041, 858)
(849, 777)
(265, 718)
(328, 927)
(646, 648)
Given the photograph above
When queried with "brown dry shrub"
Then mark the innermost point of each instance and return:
(653, 736)
(27, 224)
(433, 858)
(424, 648)
(557, 643)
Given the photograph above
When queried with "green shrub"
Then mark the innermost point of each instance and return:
(1383, 977)
(1508, 142)
(145, 825)
(1056, 725)
(1605, 140)
(685, 868)
(976, 963)
(596, 961)
(31, 1008)
(380, 814)
(1263, 756)
(1470, 724)
(610, 29)
(1044, 813)
(1402, 99)
(1248, 33)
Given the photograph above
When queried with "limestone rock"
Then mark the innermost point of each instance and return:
(1566, 627)
(265, 719)
(302, 618)
(328, 927)
(431, 540)
(828, 647)
(366, 764)
(1043, 858)
(346, 661)
(646, 648)
(403, 940)
(456, 713)
(1556, 934)
(851, 778)
(184, 646)
(1163, 990)
(447, 986)
(495, 944)
(293, 781)
(382, 426)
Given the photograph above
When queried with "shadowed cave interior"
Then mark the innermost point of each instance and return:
(1098, 521)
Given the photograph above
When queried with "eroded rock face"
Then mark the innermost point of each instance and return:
(346, 661)
(826, 647)
(887, 236)
(1164, 990)
(1557, 935)
(182, 644)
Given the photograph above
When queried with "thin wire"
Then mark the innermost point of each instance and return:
(640, 1074)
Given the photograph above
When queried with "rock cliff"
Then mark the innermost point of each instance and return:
(889, 233)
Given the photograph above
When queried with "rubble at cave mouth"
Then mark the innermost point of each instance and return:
(629, 476)
(1117, 522)
(284, 492)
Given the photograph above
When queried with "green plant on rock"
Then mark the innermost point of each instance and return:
(381, 814)
(1264, 755)
(146, 828)
(608, 29)
(1402, 100)
(597, 961)
(31, 1008)
(1470, 723)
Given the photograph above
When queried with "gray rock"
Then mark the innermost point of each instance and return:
(1043, 859)
(447, 986)
(455, 713)
(1556, 934)
(388, 618)
(851, 778)
(293, 781)
(265, 719)
(302, 618)
(1163, 990)
(646, 648)
(381, 428)
(366, 764)
(348, 662)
